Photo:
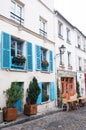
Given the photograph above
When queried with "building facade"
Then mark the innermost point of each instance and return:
(70, 66)
(32, 30)
(27, 33)
(80, 55)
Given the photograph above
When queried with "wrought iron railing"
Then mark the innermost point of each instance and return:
(43, 33)
(16, 18)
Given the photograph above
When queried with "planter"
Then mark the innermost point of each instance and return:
(44, 63)
(30, 109)
(19, 60)
(9, 114)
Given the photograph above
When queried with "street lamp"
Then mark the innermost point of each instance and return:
(62, 50)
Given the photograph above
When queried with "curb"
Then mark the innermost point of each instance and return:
(25, 118)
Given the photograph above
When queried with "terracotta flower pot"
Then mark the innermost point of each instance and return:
(30, 109)
(9, 114)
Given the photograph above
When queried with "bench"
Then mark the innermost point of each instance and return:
(70, 104)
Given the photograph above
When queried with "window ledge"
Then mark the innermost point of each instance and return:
(46, 102)
(17, 70)
(70, 67)
(62, 66)
(45, 72)
(69, 42)
(61, 37)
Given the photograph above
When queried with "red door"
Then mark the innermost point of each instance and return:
(67, 86)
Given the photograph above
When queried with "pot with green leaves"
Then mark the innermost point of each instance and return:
(13, 94)
(32, 94)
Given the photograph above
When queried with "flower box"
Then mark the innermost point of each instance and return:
(44, 63)
(19, 60)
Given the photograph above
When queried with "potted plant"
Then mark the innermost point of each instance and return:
(13, 94)
(45, 97)
(59, 98)
(19, 60)
(32, 94)
(44, 63)
(78, 88)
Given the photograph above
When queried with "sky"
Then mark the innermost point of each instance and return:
(74, 11)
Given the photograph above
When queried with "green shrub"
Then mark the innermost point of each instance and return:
(32, 92)
(13, 94)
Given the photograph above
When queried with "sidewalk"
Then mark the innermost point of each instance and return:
(24, 118)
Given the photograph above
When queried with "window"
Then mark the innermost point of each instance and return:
(68, 35)
(67, 86)
(85, 65)
(79, 42)
(60, 29)
(12, 53)
(16, 12)
(17, 58)
(79, 62)
(45, 92)
(84, 46)
(42, 29)
(44, 61)
(61, 59)
(69, 59)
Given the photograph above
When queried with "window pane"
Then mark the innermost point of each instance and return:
(19, 48)
(12, 48)
(19, 11)
(13, 7)
(44, 88)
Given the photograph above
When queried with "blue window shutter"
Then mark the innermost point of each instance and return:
(6, 54)
(38, 57)
(39, 100)
(29, 60)
(52, 94)
(51, 60)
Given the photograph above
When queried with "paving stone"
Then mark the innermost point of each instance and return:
(72, 120)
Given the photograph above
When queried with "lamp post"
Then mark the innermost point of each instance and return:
(62, 50)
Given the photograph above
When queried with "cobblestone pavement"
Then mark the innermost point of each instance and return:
(73, 120)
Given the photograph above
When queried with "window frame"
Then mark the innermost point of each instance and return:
(14, 15)
(16, 50)
(60, 29)
(68, 34)
(79, 42)
(69, 59)
(47, 86)
(43, 27)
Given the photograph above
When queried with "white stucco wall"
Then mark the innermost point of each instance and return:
(30, 32)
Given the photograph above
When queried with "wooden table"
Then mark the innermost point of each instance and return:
(70, 104)
(82, 101)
